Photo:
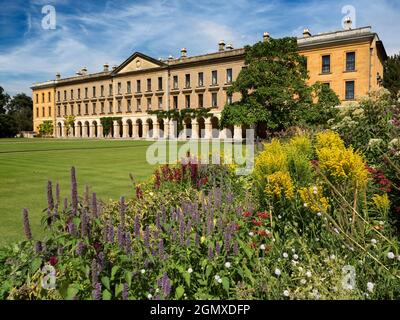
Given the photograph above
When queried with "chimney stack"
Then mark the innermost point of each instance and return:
(84, 71)
(221, 45)
(183, 53)
(170, 57)
(58, 76)
(347, 23)
(114, 67)
(306, 33)
(105, 67)
(229, 47)
(266, 37)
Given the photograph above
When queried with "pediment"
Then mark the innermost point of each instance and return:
(136, 62)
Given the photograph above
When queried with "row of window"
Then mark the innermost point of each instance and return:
(43, 97)
(214, 104)
(43, 112)
(349, 89)
(200, 83)
(350, 62)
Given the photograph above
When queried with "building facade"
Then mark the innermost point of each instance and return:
(349, 61)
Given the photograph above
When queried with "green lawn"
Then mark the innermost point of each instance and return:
(27, 164)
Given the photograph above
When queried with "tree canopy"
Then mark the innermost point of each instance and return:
(274, 90)
(391, 75)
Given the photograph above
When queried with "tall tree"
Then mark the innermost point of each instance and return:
(272, 85)
(391, 75)
(20, 107)
(4, 99)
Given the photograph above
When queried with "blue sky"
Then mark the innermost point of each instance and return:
(91, 32)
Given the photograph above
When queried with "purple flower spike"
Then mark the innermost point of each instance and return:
(94, 205)
(128, 243)
(166, 285)
(50, 200)
(96, 293)
(125, 291)
(210, 253)
(161, 249)
(158, 222)
(121, 236)
(27, 226)
(94, 272)
(65, 204)
(74, 191)
(146, 238)
(235, 248)
(122, 208)
(217, 249)
(58, 194)
(80, 248)
(38, 247)
(84, 224)
(136, 226)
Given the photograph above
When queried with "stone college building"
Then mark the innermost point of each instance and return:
(350, 61)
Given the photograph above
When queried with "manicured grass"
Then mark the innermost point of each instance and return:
(27, 164)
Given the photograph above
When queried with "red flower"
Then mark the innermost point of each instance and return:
(97, 246)
(257, 223)
(237, 226)
(247, 214)
(263, 215)
(53, 260)
(253, 245)
(262, 233)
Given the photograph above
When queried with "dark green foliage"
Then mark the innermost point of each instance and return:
(107, 123)
(391, 75)
(273, 86)
(8, 126)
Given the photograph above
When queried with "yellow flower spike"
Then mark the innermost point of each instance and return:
(313, 199)
(279, 184)
(202, 239)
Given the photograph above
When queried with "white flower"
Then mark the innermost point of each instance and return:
(319, 214)
(286, 293)
(190, 270)
(374, 142)
(217, 277)
(227, 264)
(157, 290)
(277, 272)
(390, 255)
(295, 256)
(398, 258)
(308, 274)
(142, 271)
(305, 205)
(373, 241)
(336, 230)
(381, 223)
(303, 281)
(151, 194)
(370, 286)
(315, 190)
(317, 239)
(267, 231)
(332, 257)
(285, 255)
(219, 280)
(293, 250)
(279, 216)
(262, 247)
(149, 296)
(251, 234)
(294, 262)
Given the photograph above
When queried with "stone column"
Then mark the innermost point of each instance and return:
(166, 129)
(100, 131)
(208, 129)
(237, 133)
(125, 130)
(91, 131)
(223, 134)
(156, 130)
(135, 133)
(195, 129)
(145, 129)
(116, 129)
(84, 131)
(63, 131)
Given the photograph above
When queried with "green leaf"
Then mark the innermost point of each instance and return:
(186, 276)
(72, 291)
(128, 277)
(118, 289)
(225, 284)
(114, 270)
(179, 292)
(35, 264)
(106, 282)
(106, 295)
(208, 270)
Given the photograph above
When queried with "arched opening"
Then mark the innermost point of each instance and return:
(161, 128)
(87, 129)
(139, 125)
(79, 129)
(120, 128)
(59, 129)
(188, 128)
(202, 127)
(215, 127)
(150, 128)
(229, 132)
(130, 128)
(95, 130)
